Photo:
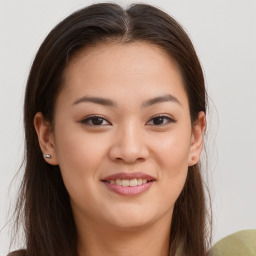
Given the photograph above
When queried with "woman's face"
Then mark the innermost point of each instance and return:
(122, 135)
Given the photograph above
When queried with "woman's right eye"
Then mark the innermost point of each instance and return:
(95, 121)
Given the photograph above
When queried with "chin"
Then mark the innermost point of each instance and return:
(130, 219)
(131, 224)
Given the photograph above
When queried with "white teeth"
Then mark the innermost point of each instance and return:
(133, 183)
(139, 181)
(119, 182)
(127, 183)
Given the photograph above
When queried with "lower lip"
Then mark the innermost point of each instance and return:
(129, 191)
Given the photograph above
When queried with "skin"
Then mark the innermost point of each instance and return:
(129, 138)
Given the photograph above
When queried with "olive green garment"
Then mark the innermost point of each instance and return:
(242, 243)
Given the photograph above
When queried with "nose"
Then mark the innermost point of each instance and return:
(129, 145)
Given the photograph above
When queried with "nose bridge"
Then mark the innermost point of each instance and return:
(132, 136)
(129, 144)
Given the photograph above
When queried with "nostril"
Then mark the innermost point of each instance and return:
(128, 153)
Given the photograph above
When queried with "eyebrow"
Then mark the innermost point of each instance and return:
(110, 103)
(97, 100)
(159, 99)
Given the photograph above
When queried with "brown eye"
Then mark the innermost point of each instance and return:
(95, 121)
(160, 120)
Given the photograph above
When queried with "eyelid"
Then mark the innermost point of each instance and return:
(170, 119)
(90, 117)
(86, 120)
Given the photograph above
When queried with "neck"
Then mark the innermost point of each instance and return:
(151, 240)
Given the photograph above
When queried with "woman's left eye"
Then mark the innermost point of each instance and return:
(160, 120)
(95, 121)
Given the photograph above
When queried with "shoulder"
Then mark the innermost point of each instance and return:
(17, 253)
(239, 243)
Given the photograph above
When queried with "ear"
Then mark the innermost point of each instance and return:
(197, 139)
(45, 137)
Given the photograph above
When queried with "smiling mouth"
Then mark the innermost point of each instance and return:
(128, 182)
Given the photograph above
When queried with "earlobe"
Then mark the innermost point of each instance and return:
(197, 139)
(45, 138)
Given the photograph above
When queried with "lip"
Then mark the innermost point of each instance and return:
(129, 190)
(129, 176)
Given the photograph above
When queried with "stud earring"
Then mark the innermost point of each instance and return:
(48, 156)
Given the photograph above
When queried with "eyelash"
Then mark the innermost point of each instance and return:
(169, 120)
(88, 120)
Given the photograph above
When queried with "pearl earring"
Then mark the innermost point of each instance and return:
(48, 156)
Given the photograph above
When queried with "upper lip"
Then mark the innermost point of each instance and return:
(128, 176)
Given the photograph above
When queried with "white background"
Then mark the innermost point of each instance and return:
(224, 35)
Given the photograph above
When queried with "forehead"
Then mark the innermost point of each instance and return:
(115, 53)
(116, 68)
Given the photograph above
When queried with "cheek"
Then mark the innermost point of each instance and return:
(76, 148)
(173, 152)
(79, 158)
(173, 156)
(173, 163)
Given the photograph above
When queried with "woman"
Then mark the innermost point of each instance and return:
(115, 111)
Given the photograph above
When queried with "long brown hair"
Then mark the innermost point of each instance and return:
(43, 203)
